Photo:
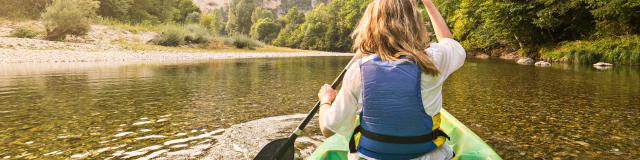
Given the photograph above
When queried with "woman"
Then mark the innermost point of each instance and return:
(395, 85)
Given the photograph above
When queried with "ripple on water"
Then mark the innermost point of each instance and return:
(122, 134)
(182, 140)
(142, 123)
(150, 137)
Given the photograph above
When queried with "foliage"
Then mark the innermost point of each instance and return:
(326, 27)
(147, 11)
(214, 20)
(530, 25)
(69, 17)
(24, 32)
(117, 9)
(621, 50)
(193, 17)
(240, 11)
(196, 33)
(261, 13)
(131, 27)
(176, 35)
(615, 17)
(171, 35)
(265, 30)
(243, 42)
(291, 22)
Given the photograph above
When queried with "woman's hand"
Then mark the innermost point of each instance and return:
(327, 94)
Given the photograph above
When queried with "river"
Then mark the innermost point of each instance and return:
(164, 110)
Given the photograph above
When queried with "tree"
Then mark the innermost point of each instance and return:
(291, 22)
(118, 9)
(261, 13)
(265, 30)
(240, 12)
(326, 27)
(615, 17)
(69, 17)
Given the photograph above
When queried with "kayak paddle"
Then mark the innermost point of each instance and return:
(283, 149)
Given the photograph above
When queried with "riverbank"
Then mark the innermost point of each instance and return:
(112, 44)
(8, 56)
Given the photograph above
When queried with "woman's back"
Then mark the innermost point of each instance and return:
(397, 98)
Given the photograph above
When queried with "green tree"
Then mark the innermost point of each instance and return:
(265, 30)
(261, 13)
(118, 9)
(160, 11)
(291, 21)
(69, 17)
(240, 12)
(326, 27)
(616, 17)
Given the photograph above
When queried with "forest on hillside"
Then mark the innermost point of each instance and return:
(582, 31)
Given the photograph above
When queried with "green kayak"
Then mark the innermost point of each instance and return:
(465, 143)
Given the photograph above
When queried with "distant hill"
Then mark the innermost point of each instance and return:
(304, 5)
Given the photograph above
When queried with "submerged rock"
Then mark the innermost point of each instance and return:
(244, 141)
(543, 64)
(603, 65)
(525, 61)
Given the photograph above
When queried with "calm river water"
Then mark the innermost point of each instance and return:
(123, 112)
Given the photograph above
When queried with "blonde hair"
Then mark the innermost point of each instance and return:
(390, 27)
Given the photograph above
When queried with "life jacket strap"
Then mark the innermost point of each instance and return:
(395, 139)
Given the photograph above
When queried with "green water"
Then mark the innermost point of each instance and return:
(566, 111)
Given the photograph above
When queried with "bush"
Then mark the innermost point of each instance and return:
(244, 42)
(217, 43)
(175, 35)
(193, 17)
(197, 34)
(621, 50)
(72, 17)
(24, 32)
(171, 35)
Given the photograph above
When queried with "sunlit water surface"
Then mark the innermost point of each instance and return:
(136, 111)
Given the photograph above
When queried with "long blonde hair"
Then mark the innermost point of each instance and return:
(389, 27)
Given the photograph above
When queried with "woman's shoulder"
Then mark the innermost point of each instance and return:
(448, 54)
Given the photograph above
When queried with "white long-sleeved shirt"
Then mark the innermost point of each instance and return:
(447, 55)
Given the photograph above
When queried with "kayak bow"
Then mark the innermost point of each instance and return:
(465, 143)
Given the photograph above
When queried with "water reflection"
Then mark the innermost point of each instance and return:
(177, 110)
(122, 111)
(567, 111)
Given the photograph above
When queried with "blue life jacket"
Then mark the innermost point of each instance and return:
(393, 122)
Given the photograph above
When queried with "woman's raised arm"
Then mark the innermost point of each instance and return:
(439, 26)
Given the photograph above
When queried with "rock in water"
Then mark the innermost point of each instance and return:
(602, 64)
(525, 61)
(543, 64)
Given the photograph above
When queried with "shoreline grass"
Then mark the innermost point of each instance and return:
(266, 49)
(617, 50)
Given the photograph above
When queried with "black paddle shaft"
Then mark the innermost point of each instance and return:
(292, 138)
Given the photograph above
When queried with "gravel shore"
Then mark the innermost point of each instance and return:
(103, 44)
(8, 56)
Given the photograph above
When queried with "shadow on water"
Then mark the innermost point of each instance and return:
(138, 111)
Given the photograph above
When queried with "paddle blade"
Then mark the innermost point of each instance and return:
(269, 151)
